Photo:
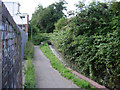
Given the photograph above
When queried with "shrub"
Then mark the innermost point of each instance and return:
(39, 37)
(28, 50)
(60, 23)
(91, 43)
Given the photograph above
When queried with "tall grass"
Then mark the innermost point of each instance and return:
(30, 75)
(29, 71)
(28, 50)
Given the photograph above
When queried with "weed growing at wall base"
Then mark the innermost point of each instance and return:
(30, 75)
(28, 50)
(29, 71)
(62, 69)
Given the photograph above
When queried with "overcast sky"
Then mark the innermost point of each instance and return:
(28, 6)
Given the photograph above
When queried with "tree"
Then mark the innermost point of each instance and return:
(44, 18)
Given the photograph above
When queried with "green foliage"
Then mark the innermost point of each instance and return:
(29, 71)
(57, 38)
(91, 42)
(28, 50)
(60, 23)
(62, 69)
(53, 60)
(39, 37)
(30, 75)
(82, 83)
(68, 74)
(44, 18)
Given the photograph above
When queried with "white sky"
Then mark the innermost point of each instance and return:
(28, 6)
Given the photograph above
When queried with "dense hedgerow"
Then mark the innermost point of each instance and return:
(91, 42)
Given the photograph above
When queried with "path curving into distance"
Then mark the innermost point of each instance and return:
(46, 76)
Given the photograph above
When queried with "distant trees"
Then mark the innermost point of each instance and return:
(43, 19)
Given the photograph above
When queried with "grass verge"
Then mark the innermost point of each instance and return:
(29, 75)
(29, 71)
(62, 69)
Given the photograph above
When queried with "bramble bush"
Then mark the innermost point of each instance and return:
(91, 42)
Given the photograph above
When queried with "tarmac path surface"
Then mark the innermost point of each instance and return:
(46, 76)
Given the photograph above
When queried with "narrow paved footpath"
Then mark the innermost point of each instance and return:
(46, 76)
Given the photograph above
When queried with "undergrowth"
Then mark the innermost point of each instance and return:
(28, 50)
(30, 75)
(29, 70)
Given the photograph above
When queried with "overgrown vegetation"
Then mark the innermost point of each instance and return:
(28, 50)
(62, 69)
(29, 75)
(61, 23)
(90, 41)
(43, 19)
(29, 70)
(40, 37)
